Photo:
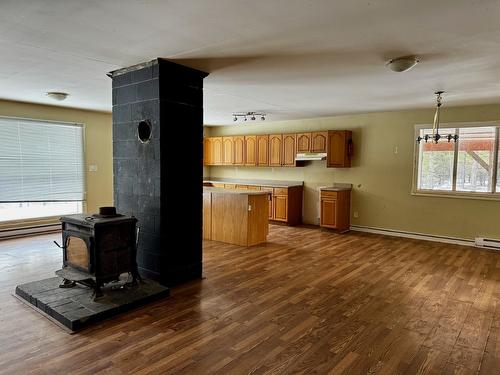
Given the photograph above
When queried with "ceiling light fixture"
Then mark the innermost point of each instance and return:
(57, 95)
(253, 116)
(402, 64)
(435, 136)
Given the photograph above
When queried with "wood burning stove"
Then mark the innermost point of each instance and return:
(97, 249)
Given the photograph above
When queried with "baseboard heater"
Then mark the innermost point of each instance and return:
(28, 231)
(488, 243)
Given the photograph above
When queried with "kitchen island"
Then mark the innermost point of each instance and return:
(235, 216)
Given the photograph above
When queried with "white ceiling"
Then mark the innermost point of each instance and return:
(289, 58)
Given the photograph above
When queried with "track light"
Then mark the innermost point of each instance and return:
(252, 115)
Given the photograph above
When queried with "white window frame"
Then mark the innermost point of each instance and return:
(495, 195)
(14, 223)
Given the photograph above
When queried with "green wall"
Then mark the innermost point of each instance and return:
(382, 179)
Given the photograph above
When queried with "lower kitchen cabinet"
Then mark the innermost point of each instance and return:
(280, 208)
(284, 203)
(287, 205)
(335, 209)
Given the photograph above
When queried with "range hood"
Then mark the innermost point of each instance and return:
(310, 156)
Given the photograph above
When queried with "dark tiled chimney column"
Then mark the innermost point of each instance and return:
(159, 179)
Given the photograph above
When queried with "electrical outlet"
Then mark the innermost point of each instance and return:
(92, 168)
(355, 214)
(396, 150)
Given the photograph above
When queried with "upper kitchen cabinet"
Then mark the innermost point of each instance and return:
(228, 150)
(262, 150)
(339, 149)
(311, 142)
(250, 149)
(207, 151)
(216, 150)
(319, 141)
(275, 150)
(288, 154)
(303, 142)
(239, 150)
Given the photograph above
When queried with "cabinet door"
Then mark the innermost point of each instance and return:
(207, 151)
(207, 216)
(280, 208)
(270, 197)
(262, 150)
(239, 150)
(328, 213)
(303, 142)
(250, 150)
(289, 150)
(275, 150)
(338, 141)
(271, 211)
(217, 150)
(228, 145)
(318, 141)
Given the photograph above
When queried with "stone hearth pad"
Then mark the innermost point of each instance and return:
(75, 308)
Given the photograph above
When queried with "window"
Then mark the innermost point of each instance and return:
(41, 168)
(469, 167)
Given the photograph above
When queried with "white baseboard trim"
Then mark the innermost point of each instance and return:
(29, 231)
(414, 235)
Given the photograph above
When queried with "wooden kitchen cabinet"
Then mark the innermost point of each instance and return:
(289, 153)
(250, 150)
(280, 208)
(262, 150)
(270, 190)
(217, 150)
(275, 150)
(311, 142)
(335, 207)
(287, 205)
(207, 216)
(319, 141)
(239, 150)
(339, 149)
(303, 142)
(207, 151)
(284, 203)
(228, 150)
(278, 150)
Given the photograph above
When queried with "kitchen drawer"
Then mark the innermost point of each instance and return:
(229, 186)
(218, 185)
(280, 191)
(250, 187)
(266, 188)
(328, 194)
(245, 187)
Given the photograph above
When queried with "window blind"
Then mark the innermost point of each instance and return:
(41, 161)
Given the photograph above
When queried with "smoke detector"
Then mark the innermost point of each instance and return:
(402, 64)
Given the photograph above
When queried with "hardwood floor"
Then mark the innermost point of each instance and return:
(309, 301)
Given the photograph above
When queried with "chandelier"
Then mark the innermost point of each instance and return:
(435, 136)
(249, 115)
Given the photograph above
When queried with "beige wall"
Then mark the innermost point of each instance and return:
(98, 143)
(382, 179)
